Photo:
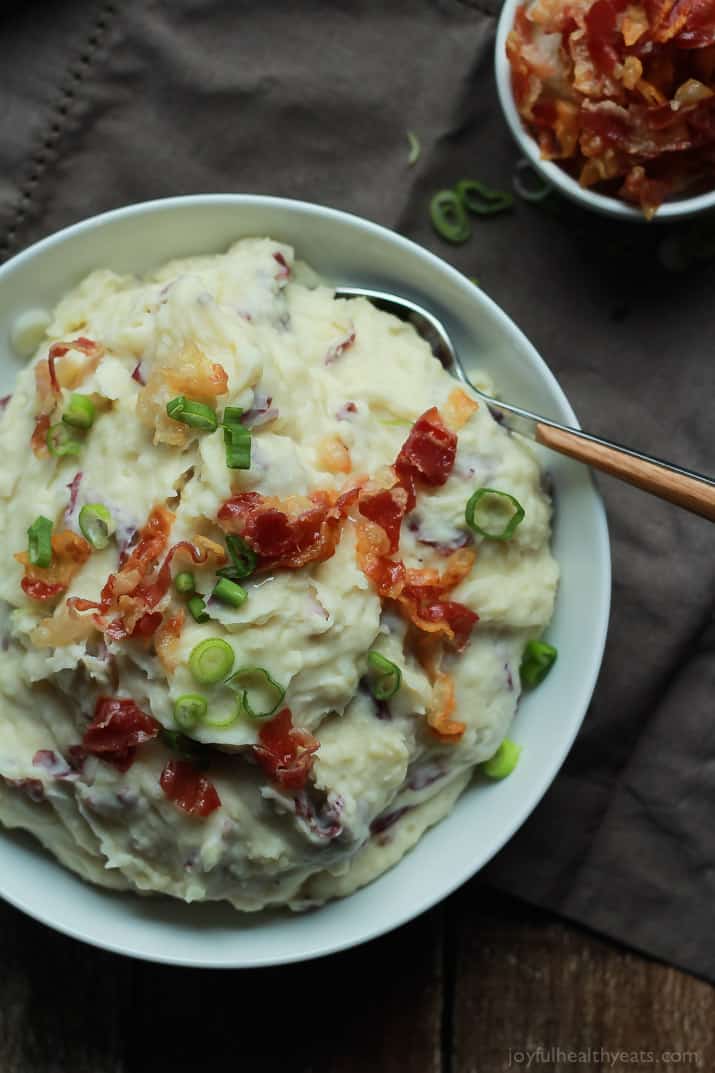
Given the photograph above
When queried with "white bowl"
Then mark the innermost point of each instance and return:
(678, 209)
(348, 250)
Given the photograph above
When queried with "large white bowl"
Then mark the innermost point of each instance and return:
(677, 209)
(347, 250)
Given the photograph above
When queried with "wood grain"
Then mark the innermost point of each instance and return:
(60, 1001)
(687, 492)
(524, 980)
(460, 990)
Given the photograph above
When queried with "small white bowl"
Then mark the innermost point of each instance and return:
(588, 198)
(347, 250)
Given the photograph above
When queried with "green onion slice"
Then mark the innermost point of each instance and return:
(60, 441)
(263, 690)
(528, 184)
(493, 514)
(480, 199)
(232, 415)
(211, 660)
(184, 582)
(189, 709)
(96, 524)
(214, 718)
(415, 148)
(504, 760)
(243, 559)
(39, 542)
(197, 609)
(229, 592)
(449, 218)
(386, 677)
(80, 412)
(196, 414)
(538, 659)
(237, 439)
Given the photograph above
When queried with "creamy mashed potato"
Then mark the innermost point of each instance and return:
(342, 535)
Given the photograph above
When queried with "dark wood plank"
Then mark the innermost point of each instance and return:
(373, 1010)
(525, 980)
(60, 1001)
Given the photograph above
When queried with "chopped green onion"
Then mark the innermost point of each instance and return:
(528, 184)
(232, 415)
(184, 582)
(488, 508)
(60, 441)
(415, 148)
(197, 609)
(237, 439)
(80, 412)
(480, 199)
(229, 592)
(216, 719)
(448, 217)
(387, 677)
(260, 683)
(211, 660)
(243, 559)
(196, 414)
(504, 760)
(538, 659)
(39, 541)
(96, 524)
(189, 709)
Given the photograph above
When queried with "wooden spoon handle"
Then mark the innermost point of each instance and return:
(694, 493)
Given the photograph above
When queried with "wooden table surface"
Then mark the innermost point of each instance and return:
(482, 983)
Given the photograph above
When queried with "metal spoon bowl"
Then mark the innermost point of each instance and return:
(683, 487)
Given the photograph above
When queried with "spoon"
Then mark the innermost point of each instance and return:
(682, 487)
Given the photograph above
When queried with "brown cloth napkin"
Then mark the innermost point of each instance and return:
(105, 104)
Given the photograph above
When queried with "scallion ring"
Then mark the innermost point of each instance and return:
(528, 184)
(480, 199)
(211, 660)
(504, 760)
(195, 414)
(538, 659)
(185, 583)
(214, 719)
(80, 412)
(449, 218)
(61, 441)
(415, 148)
(488, 509)
(97, 524)
(258, 682)
(189, 710)
(229, 592)
(39, 542)
(386, 677)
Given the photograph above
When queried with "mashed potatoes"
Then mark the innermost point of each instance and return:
(281, 723)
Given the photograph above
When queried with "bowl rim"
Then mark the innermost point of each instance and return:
(584, 196)
(477, 859)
